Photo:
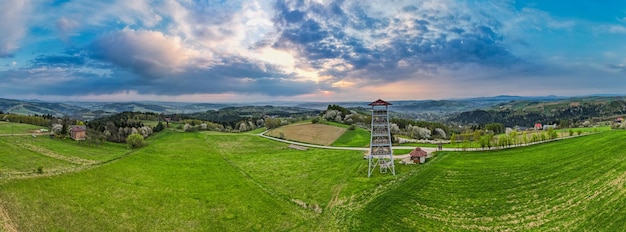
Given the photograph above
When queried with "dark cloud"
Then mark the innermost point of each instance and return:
(58, 61)
(618, 67)
(6, 54)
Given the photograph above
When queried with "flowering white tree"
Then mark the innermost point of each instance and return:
(332, 115)
(440, 132)
(394, 128)
(243, 126)
(418, 132)
(56, 128)
(424, 133)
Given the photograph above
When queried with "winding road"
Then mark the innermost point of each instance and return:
(427, 149)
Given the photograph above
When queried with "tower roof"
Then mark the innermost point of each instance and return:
(379, 103)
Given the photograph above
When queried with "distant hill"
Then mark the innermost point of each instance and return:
(527, 112)
(427, 110)
(91, 110)
(38, 107)
(232, 115)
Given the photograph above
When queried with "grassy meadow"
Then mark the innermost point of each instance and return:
(569, 185)
(23, 155)
(211, 181)
(7, 128)
(358, 137)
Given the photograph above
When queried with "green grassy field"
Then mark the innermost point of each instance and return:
(575, 184)
(196, 181)
(213, 181)
(17, 128)
(358, 137)
(15, 159)
(24, 154)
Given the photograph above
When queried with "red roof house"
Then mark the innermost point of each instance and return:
(78, 132)
(418, 155)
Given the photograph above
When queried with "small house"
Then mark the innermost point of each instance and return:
(538, 126)
(553, 126)
(418, 155)
(619, 120)
(78, 132)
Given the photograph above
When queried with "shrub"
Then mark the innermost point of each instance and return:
(40, 169)
(315, 120)
(352, 127)
(159, 127)
(135, 141)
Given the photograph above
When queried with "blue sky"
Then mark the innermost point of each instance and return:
(318, 50)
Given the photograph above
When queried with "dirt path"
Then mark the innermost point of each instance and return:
(7, 224)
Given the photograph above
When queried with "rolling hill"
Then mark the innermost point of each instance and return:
(234, 182)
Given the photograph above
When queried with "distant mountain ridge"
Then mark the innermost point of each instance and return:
(431, 110)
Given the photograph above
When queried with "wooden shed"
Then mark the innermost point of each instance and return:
(418, 155)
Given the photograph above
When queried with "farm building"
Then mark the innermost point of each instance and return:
(78, 132)
(553, 126)
(418, 155)
(538, 126)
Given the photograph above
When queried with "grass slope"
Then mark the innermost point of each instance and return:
(15, 159)
(358, 137)
(7, 128)
(179, 183)
(213, 181)
(196, 181)
(575, 184)
(22, 155)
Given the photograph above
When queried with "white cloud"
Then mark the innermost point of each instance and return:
(150, 52)
(613, 29)
(13, 21)
(85, 14)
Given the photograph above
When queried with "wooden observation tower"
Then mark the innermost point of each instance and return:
(381, 153)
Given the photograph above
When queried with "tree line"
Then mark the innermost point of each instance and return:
(565, 117)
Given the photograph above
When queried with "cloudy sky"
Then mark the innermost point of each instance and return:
(314, 50)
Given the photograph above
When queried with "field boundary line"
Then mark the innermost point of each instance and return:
(7, 223)
(51, 154)
(266, 189)
(61, 171)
